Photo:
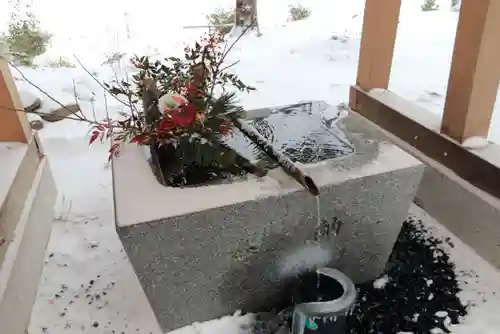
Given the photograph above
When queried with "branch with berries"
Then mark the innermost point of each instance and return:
(173, 102)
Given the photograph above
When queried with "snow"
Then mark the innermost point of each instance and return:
(27, 98)
(442, 314)
(313, 59)
(381, 282)
(475, 142)
(320, 55)
(480, 281)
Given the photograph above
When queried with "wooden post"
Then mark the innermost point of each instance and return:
(475, 71)
(380, 25)
(14, 125)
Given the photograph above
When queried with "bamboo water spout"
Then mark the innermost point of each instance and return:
(284, 162)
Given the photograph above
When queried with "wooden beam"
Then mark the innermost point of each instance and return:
(475, 71)
(380, 23)
(14, 125)
(468, 165)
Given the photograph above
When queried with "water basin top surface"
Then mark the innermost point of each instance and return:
(305, 132)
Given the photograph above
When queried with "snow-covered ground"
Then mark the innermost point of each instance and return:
(88, 284)
(312, 59)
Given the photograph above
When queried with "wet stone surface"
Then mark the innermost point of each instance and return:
(304, 133)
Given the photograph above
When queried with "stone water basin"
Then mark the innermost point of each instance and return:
(207, 251)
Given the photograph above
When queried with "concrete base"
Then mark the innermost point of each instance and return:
(458, 186)
(27, 198)
(201, 253)
(472, 215)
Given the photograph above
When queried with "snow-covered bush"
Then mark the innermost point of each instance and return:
(429, 5)
(25, 39)
(4, 48)
(113, 58)
(60, 63)
(455, 5)
(222, 20)
(298, 12)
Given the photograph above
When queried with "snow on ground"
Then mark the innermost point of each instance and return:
(480, 281)
(312, 59)
(88, 284)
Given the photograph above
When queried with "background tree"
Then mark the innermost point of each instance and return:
(246, 14)
(24, 38)
(455, 5)
(298, 12)
(222, 19)
(429, 5)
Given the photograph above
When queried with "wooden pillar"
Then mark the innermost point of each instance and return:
(380, 23)
(475, 71)
(14, 125)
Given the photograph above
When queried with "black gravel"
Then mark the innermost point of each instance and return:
(421, 294)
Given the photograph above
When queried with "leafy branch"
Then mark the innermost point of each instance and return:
(186, 110)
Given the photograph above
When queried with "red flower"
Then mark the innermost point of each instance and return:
(166, 124)
(182, 116)
(178, 99)
(226, 128)
(185, 115)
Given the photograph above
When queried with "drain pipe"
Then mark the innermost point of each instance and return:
(288, 166)
(325, 316)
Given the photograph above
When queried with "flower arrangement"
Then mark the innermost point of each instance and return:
(174, 108)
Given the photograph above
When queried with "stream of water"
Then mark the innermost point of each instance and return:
(318, 231)
(325, 232)
(318, 219)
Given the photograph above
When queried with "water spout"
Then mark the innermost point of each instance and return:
(288, 166)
